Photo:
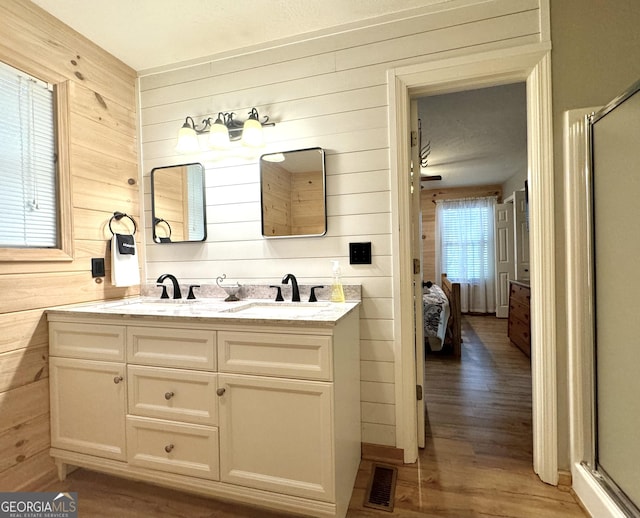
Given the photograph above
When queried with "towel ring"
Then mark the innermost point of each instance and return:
(157, 221)
(118, 216)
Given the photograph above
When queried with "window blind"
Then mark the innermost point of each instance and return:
(28, 195)
(196, 207)
(465, 239)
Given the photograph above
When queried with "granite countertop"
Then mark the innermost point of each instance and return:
(215, 310)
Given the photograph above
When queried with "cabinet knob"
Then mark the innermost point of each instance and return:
(118, 379)
(168, 448)
(169, 395)
(220, 391)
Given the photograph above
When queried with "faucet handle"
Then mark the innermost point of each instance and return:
(279, 297)
(164, 295)
(312, 295)
(191, 295)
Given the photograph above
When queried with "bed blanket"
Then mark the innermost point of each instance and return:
(435, 316)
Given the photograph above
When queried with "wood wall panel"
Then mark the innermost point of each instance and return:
(103, 157)
(330, 92)
(428, 197)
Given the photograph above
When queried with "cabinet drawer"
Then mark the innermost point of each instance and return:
(275, 354)
(87, 341)
(173, 447)
(179, 395)
(168, 347)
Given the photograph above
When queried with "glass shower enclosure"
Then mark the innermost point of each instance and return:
(614, 135)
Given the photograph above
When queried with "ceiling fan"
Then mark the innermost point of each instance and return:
(425, 151)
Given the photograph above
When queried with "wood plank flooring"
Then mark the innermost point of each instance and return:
(477, 461)
(478, 456)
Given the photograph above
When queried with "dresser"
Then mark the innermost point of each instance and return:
(519, 329)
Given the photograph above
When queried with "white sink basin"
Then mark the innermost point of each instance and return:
(159, 306)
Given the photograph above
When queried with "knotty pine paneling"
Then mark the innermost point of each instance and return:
(428, 197)
(103, 156)
(329, 91)
(24, 441)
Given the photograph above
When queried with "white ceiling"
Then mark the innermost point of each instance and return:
(152, 33)
(477, 137)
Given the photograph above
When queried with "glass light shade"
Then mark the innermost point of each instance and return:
(273, 157)
(218, 136)
(187, 140)
(252, 135)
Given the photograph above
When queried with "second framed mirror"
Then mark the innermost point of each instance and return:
(178, 203)
(293, 193)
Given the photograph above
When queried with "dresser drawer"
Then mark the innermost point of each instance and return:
(168, 347)
(520, 292)
(275, 354)
(173, 447)
(175, 394)
(87, 341)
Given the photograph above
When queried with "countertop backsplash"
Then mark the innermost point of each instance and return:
(352, 292)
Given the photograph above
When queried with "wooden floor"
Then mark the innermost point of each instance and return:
(477, 461)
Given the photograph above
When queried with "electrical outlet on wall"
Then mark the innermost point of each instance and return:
(360, 253)
(97, 267)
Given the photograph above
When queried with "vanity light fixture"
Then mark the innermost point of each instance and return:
(219, 133)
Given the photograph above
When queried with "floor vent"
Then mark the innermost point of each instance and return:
(382, 487)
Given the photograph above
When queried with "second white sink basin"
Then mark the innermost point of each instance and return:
(279, 309)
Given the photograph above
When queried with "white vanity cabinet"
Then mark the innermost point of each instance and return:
(88, 394)
(267, 414)
(276, 427)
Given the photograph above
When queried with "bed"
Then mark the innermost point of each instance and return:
(442, 317)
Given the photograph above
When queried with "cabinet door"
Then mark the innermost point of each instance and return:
(276, 434)
(88, 402)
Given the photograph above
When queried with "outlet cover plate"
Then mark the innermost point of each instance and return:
(97, 267)
(360, 253)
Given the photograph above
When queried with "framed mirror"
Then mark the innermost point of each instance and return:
(178, 203)
(293, 193)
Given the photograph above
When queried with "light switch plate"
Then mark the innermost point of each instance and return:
(360, 253)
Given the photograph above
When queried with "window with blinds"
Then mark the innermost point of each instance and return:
(28, 186)
(466, 238)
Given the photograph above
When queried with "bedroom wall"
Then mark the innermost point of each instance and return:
(595, 57)
(103, 156)
(327, 91)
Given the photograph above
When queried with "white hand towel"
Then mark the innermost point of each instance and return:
(125, 270)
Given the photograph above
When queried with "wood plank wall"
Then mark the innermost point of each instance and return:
(103, 156)
(330, 92)
(428, 197)
(276, 199)
(170, 192)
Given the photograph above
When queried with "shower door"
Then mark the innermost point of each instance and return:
(615, 170)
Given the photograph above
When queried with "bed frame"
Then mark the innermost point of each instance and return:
(454, 326)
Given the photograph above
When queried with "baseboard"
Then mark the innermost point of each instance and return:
(381, 453)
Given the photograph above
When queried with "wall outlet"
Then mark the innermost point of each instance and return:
(360, 253)
(97, 267)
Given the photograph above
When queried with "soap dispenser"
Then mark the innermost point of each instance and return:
(337, 292)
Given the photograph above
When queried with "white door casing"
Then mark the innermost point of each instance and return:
(505, 249)
(416, 222)
(533, 64)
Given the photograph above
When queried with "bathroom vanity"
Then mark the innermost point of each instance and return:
(246, 403)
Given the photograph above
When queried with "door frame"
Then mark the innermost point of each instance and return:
(530, 63)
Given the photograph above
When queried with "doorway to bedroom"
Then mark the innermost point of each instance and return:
(473, 165)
